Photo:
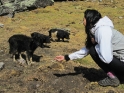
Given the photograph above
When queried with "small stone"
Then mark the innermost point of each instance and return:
(1, 65)
(1, 25)
(120, 17)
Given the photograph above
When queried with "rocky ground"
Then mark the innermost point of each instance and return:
(46, 75)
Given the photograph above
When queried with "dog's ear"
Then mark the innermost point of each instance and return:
(39, 35)
(35, 34)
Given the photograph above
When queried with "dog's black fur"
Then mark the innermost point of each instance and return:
(40, 39)
(19, 43)
(60, 34)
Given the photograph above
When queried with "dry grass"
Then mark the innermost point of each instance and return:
(67, 15)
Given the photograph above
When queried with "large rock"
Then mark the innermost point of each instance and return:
(10, 7)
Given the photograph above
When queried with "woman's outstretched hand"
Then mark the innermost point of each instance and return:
(59, 58)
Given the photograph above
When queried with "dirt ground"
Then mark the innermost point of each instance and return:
(46, 75)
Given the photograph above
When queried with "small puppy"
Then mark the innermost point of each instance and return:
(58, 34)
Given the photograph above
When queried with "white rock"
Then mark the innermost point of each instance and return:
(1, 65)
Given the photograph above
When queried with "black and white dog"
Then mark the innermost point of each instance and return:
(58, 34)
(20, 43)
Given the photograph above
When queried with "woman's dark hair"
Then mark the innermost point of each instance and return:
(92, 17)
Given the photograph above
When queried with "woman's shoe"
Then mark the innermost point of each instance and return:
(114, 82)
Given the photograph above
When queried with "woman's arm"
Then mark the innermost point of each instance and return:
(78, 54)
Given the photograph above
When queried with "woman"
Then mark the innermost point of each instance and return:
(104, 44)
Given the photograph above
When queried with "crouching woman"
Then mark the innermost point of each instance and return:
(105, 45)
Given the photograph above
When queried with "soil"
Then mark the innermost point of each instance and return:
(46, 75)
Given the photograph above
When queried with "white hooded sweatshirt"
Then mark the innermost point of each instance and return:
(107, 38)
